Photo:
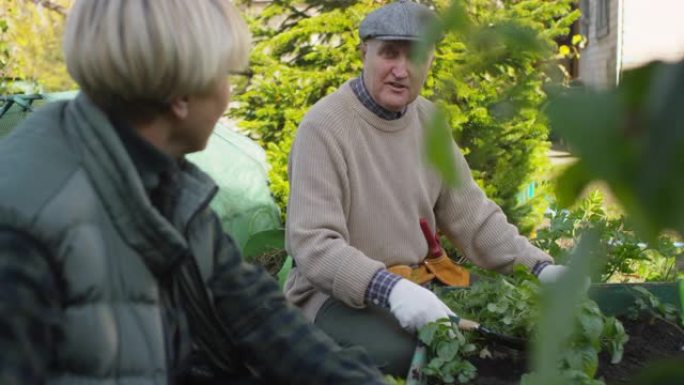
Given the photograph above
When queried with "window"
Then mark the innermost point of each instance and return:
(602, 18)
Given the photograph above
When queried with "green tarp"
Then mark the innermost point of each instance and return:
(238, 165)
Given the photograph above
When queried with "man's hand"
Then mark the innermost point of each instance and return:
(415, 306)
(551, 273)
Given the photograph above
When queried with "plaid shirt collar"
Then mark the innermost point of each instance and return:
(366, 99)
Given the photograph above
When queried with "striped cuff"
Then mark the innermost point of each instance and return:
(380, 287)
(539, 266)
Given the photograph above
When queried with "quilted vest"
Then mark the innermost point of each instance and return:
(66, 179)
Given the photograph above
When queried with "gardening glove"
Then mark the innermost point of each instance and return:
(415, 306)
(551, 273)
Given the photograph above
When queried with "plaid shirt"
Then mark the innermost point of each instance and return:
(380, 287)
(361, 92)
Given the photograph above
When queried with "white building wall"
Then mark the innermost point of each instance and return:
(653, 30)
(598, 61)
(641, 31)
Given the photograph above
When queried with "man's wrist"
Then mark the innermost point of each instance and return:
(539, 266)
(380, 287)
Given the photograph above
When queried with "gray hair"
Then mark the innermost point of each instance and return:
(140, 54)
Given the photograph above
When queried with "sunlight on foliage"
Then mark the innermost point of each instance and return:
(628, 257)
(31, 58)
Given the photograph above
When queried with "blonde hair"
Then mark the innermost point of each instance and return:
(142, 53)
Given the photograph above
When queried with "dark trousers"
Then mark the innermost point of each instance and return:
(373, 328)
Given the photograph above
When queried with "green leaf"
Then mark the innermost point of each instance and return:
(560, 301)
(440, 151)
(427, 333)
(447, 350)
(584, 359)
(592, 327)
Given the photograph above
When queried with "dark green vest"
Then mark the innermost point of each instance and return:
(65, 178)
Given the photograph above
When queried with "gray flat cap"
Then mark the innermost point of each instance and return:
(401, 20)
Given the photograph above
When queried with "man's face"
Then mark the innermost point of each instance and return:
(390, 76)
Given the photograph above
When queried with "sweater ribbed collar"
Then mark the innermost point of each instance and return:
(359, 88)
(374, 120)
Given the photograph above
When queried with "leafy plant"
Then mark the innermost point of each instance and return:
(613, 339)
(628, 257)
(511, 305)
(447, 348)
(499, 300)
(647, 304)
(584, 343)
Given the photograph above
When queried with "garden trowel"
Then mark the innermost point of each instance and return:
(512, 342)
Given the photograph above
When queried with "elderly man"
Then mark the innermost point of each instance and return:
(359, 186)
(113, 270)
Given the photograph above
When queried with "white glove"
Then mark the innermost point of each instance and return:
(415, 306)
(551, 273)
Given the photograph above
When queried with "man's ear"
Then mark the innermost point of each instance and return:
(363, 50)
(180, 107)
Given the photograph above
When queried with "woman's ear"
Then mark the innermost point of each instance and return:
(180, 107)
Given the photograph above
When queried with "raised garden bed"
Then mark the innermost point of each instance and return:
(651, 339)
(647, 343)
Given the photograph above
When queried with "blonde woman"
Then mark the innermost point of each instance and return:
(113, 270)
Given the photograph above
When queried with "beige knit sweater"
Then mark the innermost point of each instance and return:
(359, 185)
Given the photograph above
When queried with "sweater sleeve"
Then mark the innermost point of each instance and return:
(317, 234)
(479, 228)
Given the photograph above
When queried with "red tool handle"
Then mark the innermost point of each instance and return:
(432, 240)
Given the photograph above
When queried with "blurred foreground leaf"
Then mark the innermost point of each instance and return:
(440, 152)
(632, 138)
(559, 305)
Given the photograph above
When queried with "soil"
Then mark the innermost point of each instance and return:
(649, 342)
(505, 367)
